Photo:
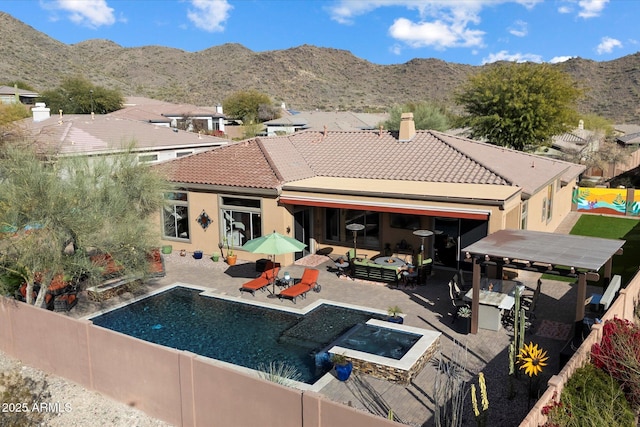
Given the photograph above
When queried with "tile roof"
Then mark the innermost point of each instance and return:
(630, 138)
(429, 157)
(80, 134)
(242, 165)
(161, 108)
(333, 120)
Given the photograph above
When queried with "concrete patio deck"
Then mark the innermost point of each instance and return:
(425, 307)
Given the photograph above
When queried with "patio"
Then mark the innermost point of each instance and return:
(426, 307)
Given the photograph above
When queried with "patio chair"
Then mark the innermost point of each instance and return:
(261, 282)
(308, 282)
(456, 301)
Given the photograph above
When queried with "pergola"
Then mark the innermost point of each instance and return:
(559, 254)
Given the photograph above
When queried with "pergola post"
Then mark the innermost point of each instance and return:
(582, 296)
(608, 266)
(475, 299)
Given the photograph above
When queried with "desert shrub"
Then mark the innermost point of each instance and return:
(18, 394)
(591, 397)
(618, 354)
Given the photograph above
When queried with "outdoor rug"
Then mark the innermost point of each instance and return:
(554, 330)
(312, 260)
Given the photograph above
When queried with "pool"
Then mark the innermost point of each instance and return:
(235, 332)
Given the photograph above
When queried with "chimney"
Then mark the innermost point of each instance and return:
(40, 112)
(219, 109)
(407, 127)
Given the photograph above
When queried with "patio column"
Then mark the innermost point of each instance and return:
(582, 296)
(475, 296)
(607, 269)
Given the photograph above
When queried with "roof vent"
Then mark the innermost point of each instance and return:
(407, 127)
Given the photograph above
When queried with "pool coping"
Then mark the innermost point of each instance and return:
(427, 338)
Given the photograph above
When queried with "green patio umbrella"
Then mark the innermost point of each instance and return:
(273, 244)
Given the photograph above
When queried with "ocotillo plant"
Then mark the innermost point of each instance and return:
(519, 321)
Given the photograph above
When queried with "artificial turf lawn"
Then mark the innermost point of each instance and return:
(610, 227)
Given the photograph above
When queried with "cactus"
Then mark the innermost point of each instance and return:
(481, 416)
(519, 326)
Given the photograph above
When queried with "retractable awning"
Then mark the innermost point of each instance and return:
(470, 201)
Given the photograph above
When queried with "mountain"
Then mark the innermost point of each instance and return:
(305, 77)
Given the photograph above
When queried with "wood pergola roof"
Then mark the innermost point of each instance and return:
(541, 251)
(580, 252)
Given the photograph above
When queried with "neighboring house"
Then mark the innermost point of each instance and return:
(319, 120)
(96, 134)
(182, 116)
(627, 137)
(312, 184)
(13, 95)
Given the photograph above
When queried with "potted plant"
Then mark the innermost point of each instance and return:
(464, 313)
(231, 256)
(394, 314)
(215, 257)
(342, 366)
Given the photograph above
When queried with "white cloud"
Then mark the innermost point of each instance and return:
(396, 49)
(89, 13)
(558, 59)
(504, 55)
(607, 44)
(439, 24)
(591, 8)
(565, 9)
(437, 34)
(209, 15)
(518, 28)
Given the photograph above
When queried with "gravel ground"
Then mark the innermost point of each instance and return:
(85, 407)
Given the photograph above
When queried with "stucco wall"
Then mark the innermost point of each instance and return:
(175, 386)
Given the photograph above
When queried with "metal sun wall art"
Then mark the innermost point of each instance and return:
(204, 220)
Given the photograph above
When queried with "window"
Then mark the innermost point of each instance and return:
(336, 221)
(547, 205)
(408, 222)
(176, 216)
(183, 153)
(523, 217)
(241, 219)
(143, 158)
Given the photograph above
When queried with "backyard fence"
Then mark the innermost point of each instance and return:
(623, 308)
(178, 387)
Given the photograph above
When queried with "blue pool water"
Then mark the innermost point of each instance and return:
(233, 332)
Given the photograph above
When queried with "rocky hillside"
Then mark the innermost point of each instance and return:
(304, 77)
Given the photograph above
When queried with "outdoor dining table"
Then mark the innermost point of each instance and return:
(496, 295)
(390, 260)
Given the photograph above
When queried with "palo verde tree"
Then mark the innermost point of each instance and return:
(250, 105)
(519, 106)
(55, 213)
(77, 95)
(425, 115)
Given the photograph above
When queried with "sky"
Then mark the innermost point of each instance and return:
(472, 32)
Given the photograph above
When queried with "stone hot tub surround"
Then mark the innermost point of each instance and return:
(386, 368)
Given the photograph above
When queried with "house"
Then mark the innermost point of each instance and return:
(13, 95)
(181, 116)
(97, 134)
(318, 120)
(311, 184)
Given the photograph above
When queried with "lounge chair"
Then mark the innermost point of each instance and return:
(308, 282)
(261, 282)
